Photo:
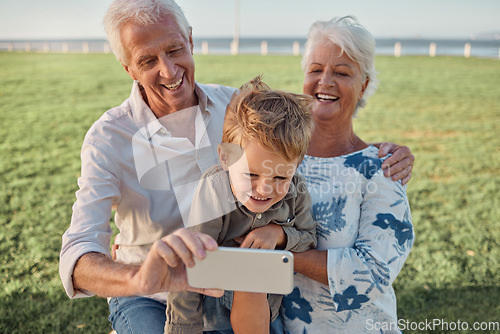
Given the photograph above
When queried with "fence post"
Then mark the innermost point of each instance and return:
(467, 49)
(263, 48)
(397, 49)
(204, 48)
(65, 47)
(432, 50)
(27, 46)
(46, 47)
(296, 48)
(85, 47)
(235, 47)
(11, 47)
(106, 48)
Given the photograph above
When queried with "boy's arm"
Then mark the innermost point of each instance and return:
(301, 235)
(296, 235)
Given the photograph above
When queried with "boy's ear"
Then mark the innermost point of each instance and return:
(223, 157)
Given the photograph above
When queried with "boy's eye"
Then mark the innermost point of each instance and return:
(280, 178)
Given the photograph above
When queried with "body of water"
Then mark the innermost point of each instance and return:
(442, 47)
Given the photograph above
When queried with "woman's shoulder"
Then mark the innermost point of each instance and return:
(366, 162)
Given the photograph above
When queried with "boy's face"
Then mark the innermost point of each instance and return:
(259, 178)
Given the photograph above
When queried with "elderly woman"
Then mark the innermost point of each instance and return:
(364, 223)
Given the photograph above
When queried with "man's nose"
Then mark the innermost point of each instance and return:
(168, 69)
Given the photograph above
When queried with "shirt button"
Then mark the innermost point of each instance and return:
(162, 132)
(259, 216)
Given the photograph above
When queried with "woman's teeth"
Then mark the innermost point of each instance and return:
(175, 85)
(326, 97)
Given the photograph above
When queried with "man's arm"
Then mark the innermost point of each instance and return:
(163, 269)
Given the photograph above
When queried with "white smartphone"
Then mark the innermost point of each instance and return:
(244, 269)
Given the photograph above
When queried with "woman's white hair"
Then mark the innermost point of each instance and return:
(353, 39)
(145, 12)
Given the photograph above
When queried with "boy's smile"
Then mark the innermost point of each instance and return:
(260, 178)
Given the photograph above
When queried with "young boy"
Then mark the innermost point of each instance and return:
(253, 196)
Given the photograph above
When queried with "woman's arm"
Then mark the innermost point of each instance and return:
(312, 263)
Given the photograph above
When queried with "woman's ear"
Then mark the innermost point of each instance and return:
(363, 88)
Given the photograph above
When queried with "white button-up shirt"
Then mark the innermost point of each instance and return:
(132, 164)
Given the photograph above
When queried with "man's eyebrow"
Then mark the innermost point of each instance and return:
(142, 58)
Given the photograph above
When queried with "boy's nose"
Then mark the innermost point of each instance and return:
(264, 187)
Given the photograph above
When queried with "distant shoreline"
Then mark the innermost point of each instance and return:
(487, 48)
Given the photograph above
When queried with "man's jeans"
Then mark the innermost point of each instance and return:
(139, 315)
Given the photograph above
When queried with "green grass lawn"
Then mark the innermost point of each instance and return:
(447, 110)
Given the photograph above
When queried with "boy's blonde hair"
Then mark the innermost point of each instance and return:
(277, 120)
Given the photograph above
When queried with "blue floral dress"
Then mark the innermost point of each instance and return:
(364, 222)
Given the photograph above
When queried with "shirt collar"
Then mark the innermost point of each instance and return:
(146, 121)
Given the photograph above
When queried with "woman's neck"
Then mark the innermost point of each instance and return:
(329, 143)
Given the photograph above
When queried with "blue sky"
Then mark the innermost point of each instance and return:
(43, 19)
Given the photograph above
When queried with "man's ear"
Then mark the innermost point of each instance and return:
(223, 156)
(129, 71)
(191, 39)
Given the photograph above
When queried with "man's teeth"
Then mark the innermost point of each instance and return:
(327, 97)
(259, 199)
(175, 85)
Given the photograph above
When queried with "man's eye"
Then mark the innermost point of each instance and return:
(174, 51)
(280, 178)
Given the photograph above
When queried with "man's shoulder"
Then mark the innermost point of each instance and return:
(117, 120)
(212, 90)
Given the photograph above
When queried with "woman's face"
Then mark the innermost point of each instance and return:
(336, 83)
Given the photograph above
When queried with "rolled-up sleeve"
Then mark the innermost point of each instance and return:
(90, 229)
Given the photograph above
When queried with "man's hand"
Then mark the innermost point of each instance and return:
(265, 237)
(400, 164)
(165, 266)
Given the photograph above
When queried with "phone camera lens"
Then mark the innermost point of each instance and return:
(285, 259)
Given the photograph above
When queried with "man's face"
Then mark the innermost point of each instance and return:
(162, 61)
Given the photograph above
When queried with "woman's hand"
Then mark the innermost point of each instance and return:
(270, 236)
(400, 164)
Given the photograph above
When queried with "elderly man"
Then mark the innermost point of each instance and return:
(143, 159)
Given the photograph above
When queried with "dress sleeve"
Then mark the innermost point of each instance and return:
(90, 230)
(302, 234)
(361, 273)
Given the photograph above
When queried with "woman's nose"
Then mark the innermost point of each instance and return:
(327, 80)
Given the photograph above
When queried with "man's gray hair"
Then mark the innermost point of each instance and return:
(353, 39)
(144, 12)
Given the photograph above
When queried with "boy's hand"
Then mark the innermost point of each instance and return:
(270, 236)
